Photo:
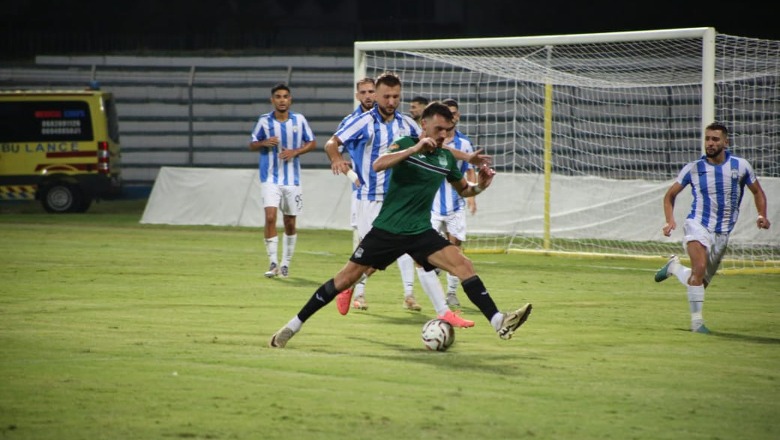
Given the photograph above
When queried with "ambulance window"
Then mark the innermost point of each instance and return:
(39, 121)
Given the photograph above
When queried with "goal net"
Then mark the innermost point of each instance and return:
(588, 131)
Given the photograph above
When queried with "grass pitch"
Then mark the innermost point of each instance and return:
(114, 330)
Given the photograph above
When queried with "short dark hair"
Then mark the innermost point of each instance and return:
(437, 108)
(280, 86)
(718, 126)
(450, 102)
(420, 100)
(366, 80)
(389, 79)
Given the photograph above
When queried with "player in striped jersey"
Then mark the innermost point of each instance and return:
(717, 181)
(416, 107)
(365, 93)
(365, 137)
(281, 136)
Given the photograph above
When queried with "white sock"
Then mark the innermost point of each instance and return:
(270, 248)
(295, 324)
(497, 320)
(360, 286)
(406, 266)
(452, 283)
(288, 249)
(696, 302)
(432, 287)
(681, 272)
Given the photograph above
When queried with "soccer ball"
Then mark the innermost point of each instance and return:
(438, 335)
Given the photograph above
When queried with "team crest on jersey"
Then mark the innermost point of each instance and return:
(442, 161)
(734, 174)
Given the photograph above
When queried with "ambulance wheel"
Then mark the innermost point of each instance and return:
(61, 198)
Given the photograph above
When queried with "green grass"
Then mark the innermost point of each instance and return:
(110, 329)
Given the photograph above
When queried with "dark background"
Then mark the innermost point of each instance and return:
(29, 28)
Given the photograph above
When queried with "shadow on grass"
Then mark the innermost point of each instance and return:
(295, 282)
(494, 363)
(738, 337)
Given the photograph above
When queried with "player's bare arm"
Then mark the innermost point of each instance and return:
(265, 143)
(337, 162)
(290, 153)
(669, 198)
(759, 197)
(476, 158)
(394, 157)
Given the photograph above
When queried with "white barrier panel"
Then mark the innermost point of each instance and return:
(624, 210)
(230, 197)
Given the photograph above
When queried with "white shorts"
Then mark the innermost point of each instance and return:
(453, 224)
(715, 243)
(365, 213)
(288, 198)
(353, 210)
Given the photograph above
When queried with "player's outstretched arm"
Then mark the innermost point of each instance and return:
(476, 158)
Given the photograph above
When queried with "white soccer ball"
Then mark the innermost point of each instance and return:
(438, 335)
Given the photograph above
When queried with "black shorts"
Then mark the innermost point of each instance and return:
(380, 248)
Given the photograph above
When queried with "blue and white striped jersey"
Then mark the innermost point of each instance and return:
(717, 190)
(448, 200)
(358, 111)
(366, 137)
(292, 133)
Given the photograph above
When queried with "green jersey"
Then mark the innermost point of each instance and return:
(414, 182)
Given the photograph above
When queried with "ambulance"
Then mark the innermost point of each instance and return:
(59, 147)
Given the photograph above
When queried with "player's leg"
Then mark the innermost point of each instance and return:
(698, 242)
(367, 211)
(377, 250)
(291, 206)
(324, 294)
(271, 200)
(698, 255)
(451, 259)
(456, 233)
(406, 267)
(432, 287)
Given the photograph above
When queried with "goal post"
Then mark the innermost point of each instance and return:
(587, 131)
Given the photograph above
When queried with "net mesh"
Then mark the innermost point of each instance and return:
(619, 119)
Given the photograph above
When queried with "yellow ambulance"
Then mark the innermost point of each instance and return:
(59, 147)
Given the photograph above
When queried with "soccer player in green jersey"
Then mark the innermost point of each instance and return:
(404, 225)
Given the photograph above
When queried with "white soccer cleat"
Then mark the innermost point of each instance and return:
(273, 270)
(513, 320)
